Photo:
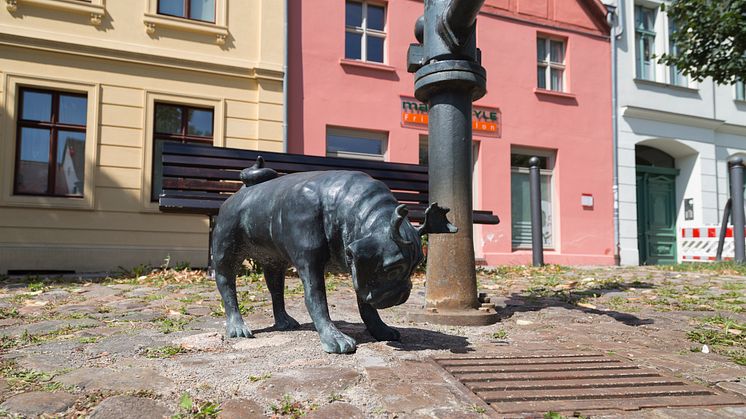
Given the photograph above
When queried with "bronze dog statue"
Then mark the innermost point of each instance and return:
(336, 221)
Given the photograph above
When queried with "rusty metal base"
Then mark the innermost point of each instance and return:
(467, 317)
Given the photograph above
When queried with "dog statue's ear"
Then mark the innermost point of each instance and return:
(436, 221)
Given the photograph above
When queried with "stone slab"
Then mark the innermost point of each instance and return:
(132, 379)
(39, 403)
(124, 407)
(240, 409)
(336, 411)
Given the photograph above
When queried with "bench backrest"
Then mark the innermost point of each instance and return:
(198, 178)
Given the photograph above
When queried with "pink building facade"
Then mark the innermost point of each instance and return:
(548, 68)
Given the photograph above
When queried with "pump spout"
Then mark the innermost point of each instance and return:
(458, 19)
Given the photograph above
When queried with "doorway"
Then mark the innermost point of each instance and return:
(656, 206)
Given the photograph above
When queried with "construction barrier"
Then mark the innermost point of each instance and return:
(700, 244)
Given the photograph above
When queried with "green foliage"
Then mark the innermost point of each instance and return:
(168, 325)
(710, 38)
(723, 335)
(9, 313)
(164, 351)
(500, 334)
(195, 409)
(255, 378)
(291, 408)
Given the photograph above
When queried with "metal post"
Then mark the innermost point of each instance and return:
(448, 77)
(723, 230)
(537, 234)
(737, 214)
(210, 266)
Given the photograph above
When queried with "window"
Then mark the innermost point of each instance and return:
(740, 90)
(521, 200)
(50, 147)
(424, 151)
(675, 75)
(645, 42)
(364, 31)
(178, 123)
(550, 54)
(355, 144)
(203, 10)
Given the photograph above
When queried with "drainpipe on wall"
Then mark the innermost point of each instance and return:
(285, 104)
(616, 32)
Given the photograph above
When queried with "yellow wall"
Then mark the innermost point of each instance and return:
(124, 69)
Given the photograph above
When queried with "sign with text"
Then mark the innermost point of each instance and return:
(484, 121)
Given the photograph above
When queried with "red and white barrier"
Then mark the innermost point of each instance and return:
(699, 244)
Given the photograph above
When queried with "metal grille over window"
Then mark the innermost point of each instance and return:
(182, 124)
(645, 42)
(521, 200)
(550, 54)
(365, 32)
(51, 134)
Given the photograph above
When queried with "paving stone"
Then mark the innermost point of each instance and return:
(124, 344)
(336, 411)
(207, 323)
(198, 310)
(132, 379)
(261, 342)
(738, 412)
(736, 387)
(10, 322)
(310, 382)
(45, 362)
(144, 315)
(459, 414)
(240, 409)
(126, 305)
(142, 292)
(39, 403)
(78, 309)
(54, 295)
(209, 341)
(100, 291)
(123, 407)
(47, 326)
(3, 388)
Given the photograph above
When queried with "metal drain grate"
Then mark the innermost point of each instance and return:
(574, 382)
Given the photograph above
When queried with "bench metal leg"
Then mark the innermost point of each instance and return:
(210, 267)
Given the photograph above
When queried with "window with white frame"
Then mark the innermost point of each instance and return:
(365, 31)
(740, 90)
(675, 76)
(356, 144)
(521, 198)
(645, 18)
(550, 70)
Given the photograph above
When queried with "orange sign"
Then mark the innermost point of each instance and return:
(485, 121)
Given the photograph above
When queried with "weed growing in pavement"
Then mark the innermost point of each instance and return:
(500, 334)
(475, 408)
(9, 313)
(723, 335)
(256, 378)
(36, 286)
(335, 397)
(718, 268)
(292, 408)
(168, 325)
(196, 409)
(164, 351)
(28, 380)
(89, 339)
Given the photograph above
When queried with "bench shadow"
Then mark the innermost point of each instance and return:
(412, 338)
(528, 302)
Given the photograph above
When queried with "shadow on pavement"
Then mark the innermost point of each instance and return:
(531, 301)
(412, 338)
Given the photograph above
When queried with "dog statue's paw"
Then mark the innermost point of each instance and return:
(286, 323)
(237, 329)
(384, 333)
(336, 342)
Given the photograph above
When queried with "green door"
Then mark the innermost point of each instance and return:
(656, 215)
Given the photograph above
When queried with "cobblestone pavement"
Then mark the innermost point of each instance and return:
(151, 344)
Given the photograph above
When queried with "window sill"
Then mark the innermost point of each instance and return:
(367, 64)
(666, 85)
(153, 21)
(554, 93)
(740, 101)
(96, 8)
(49, 202)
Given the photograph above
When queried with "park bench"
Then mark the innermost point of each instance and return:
(196, 178)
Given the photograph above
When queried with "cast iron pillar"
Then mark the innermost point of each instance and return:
(449, 77)
(736, 195)
(537, 233)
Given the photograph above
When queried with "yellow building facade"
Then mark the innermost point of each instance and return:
(90, 88)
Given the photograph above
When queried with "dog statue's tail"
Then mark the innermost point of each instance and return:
(257, 173)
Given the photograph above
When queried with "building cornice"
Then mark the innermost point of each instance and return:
(717, 125)
(131, 53)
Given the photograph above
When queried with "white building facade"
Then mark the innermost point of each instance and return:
(674, 137)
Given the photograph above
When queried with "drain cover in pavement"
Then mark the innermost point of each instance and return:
(574, 382)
